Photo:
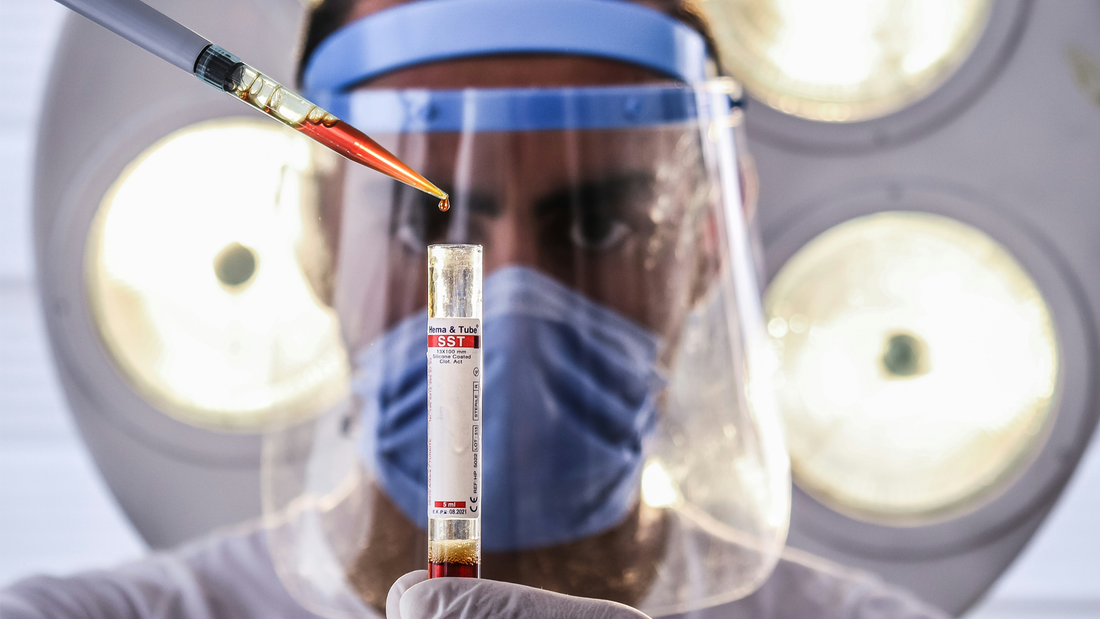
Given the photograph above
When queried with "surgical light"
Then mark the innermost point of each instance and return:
(846, 60)
(196, 280)
(918, 363)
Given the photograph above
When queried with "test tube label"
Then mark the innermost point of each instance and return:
(454, 371)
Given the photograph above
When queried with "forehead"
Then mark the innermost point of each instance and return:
(517, 71)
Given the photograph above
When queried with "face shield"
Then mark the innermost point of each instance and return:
(630, 452)
(631, 449)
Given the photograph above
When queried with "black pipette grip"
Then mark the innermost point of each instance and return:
(215, 66)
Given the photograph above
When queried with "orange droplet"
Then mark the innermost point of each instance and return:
(445, 204)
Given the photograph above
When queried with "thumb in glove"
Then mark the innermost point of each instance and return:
(414, 596)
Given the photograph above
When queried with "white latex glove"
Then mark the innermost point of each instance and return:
(414, 596)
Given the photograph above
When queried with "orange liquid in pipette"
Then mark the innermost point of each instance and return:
(357, 146)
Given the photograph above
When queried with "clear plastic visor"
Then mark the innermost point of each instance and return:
(631, 448)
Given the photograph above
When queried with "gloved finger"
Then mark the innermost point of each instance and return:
(471, 598)
(398, 589)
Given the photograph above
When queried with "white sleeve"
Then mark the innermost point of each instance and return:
(231, 576)
(805, 586)
(220, 577)
(802, 587)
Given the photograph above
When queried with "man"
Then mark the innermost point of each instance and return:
(593, 179)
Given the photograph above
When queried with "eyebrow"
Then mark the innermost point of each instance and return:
(596, 192)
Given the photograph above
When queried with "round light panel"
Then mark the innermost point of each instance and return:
(845, 60)
(195, 278)
(918, 363)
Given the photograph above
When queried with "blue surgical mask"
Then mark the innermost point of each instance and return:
(570, 390)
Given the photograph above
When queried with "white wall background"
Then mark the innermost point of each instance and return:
(57, 516)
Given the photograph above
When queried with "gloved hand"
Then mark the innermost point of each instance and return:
(414, 596)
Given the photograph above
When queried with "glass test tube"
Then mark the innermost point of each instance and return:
(454, 410)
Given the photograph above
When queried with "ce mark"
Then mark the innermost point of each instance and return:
(473, 505)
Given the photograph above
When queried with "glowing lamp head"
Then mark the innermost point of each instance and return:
(197, 288)
(844, 60)
(918, 365)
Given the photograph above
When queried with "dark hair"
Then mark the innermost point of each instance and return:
(328, 17)
(331, 15)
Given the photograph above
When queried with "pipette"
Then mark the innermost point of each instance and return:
(150, 29)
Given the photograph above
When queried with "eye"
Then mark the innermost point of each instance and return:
(409, 227)
(597, 232)
(411, 238)
(604, 217)
(417, 221)
(596, 216)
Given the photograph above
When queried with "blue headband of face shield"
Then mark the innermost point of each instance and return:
(432, 30)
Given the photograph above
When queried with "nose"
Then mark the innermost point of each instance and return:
(512, 235)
